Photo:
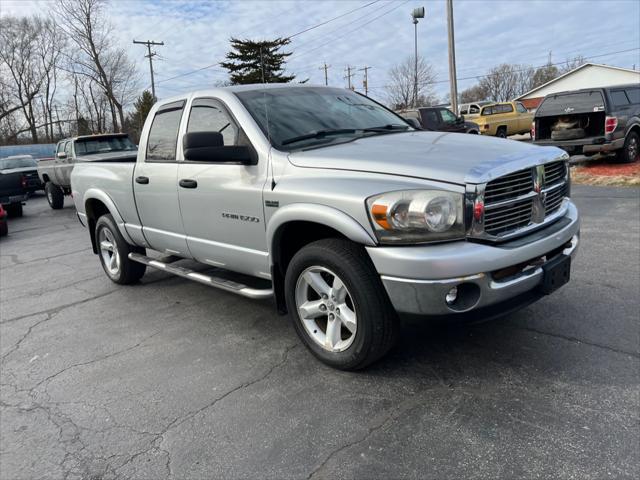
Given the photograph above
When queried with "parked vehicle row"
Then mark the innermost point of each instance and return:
(336, 207)
(591, 121)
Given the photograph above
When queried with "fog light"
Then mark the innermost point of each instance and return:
(451, 296)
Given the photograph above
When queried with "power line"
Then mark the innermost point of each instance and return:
(475, 77)
(150, 56)
(332, 19)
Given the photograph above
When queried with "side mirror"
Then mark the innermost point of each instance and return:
(61, 155)
(209, 147)
(414, 123)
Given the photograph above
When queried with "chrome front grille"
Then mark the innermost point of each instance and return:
(522, 200)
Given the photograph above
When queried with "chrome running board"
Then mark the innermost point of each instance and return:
(216, 282)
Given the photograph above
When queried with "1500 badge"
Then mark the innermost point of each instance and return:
(244, 218)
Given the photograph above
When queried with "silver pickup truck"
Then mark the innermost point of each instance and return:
(336, 207)
(55, 173)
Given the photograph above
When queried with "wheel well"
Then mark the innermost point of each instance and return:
(45, 177)
(287, 241)
(635, 128)
(94, 209)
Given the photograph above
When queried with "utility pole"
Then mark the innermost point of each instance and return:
(59, 124)
(325, 67)
(150, 56)
(452, 59)
(416, 14)
(365, 82)
(349, 75)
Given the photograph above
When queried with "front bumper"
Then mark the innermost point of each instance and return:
(417, 279)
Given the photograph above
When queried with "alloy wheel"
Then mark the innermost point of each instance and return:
(109, 251)
(325, 307)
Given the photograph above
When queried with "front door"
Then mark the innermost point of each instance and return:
(221, 204)
(155, 184)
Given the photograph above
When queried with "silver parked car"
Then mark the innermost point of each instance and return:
(350, 216)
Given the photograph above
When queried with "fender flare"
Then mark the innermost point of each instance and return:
(96, 194)
(322, 214)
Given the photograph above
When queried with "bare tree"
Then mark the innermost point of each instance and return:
(20, 72)
(400, 88)
(96, 56)
(473, 94)
(572, 64)
(507, 81)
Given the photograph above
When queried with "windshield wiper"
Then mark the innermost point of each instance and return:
(386, 128)
(318, 134)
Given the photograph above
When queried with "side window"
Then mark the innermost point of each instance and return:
(488, 111)
(67, 149)
(430, 118)
(60, 147)
(505, 108)
(474, 109)
(619, 98)
(209, 115)
(464, 111)
(448, 116)
(163, 135)
(520, 108)
(634, 95)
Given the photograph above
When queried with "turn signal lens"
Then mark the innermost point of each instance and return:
(379, 213)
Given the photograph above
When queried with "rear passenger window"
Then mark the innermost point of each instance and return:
(208, 115)
(619, 98)
(634, 95)
(163, 136)
(505, 108)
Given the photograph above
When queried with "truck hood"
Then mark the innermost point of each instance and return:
(130, 155)
(447, 157)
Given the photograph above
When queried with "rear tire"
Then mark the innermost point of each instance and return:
(631, 151)
(55, 196)
(14, 210)
(501, 132)
(367, 326)
(114, 251)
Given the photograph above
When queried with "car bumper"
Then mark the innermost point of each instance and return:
(589, 145)
(485, 275)
(14, 199)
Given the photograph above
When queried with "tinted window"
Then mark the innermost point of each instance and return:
(287, 113)
(619, 98)
(580, 102)
(521, 108)
(634, 95)
(90, 146)
(17, 162)
(430, 118)
(163, 136)
(208, 115)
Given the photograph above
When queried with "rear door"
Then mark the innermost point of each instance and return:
(221, 203)
(155, 183)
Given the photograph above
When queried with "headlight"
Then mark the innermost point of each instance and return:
(417, 216)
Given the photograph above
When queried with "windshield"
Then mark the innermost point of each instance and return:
(21, 162)
(334, 114)
(90, 146)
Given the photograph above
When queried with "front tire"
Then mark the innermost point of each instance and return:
(114, 251)
(55, 196)
(631, 151)
(338, 304)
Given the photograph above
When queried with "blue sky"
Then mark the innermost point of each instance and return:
(488, 32)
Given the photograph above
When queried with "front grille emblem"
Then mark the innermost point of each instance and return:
(538, 211)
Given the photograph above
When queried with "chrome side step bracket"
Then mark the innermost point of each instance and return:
(216, 282)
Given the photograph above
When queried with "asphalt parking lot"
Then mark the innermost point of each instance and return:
(173, 379)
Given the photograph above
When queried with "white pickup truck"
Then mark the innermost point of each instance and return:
(336, 207)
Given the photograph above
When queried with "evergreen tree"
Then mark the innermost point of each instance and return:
(257, 62)
(135, 120)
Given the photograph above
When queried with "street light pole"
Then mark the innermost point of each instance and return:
(452, 59)
(416, 14)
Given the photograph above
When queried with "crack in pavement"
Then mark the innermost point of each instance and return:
(585, 342)
(16, 261)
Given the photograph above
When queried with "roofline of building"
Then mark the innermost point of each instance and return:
(588, 64)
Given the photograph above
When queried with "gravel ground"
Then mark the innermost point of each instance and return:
(173, 379)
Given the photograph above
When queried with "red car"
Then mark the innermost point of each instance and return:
(3, 221)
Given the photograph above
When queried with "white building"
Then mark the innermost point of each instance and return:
(589, 75)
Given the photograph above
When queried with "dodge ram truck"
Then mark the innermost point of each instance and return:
(337, 208)
(55, 173)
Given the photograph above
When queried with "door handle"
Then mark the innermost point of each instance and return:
(188, 183)
(142, 180)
